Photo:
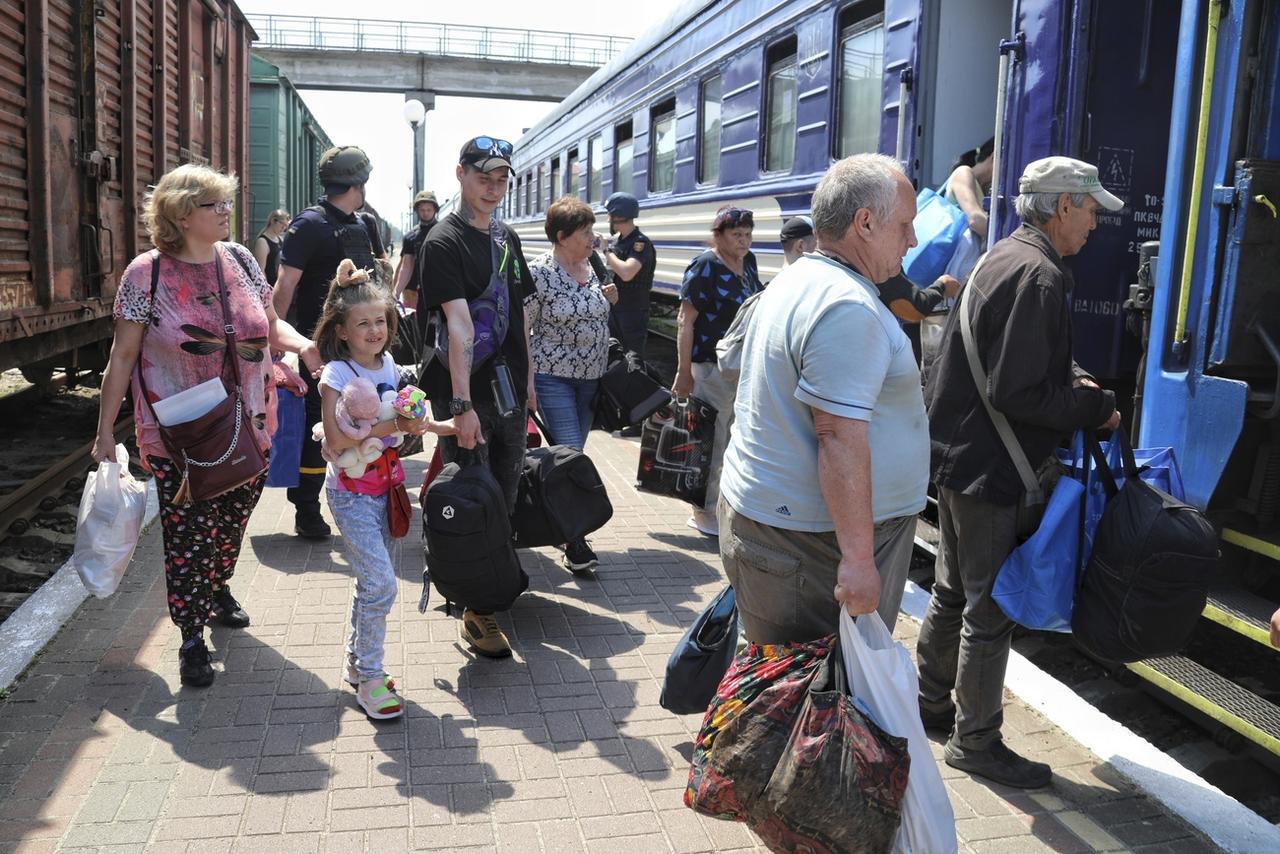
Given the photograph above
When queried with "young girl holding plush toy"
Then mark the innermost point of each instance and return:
(360, 429)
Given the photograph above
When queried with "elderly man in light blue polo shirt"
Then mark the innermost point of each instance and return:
(829, 459)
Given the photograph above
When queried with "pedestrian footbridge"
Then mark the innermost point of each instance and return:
(446, 59)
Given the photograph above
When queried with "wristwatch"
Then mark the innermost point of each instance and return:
(459, 405)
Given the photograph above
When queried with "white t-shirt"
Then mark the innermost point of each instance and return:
(336, 375)
(821, 338)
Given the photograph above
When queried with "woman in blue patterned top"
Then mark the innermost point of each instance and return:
(715, 284)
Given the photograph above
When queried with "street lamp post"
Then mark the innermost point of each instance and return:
(414, 113)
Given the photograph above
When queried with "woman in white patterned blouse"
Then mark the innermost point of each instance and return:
(569, 333)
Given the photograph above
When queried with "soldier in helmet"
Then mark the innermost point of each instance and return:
(315, 243)
(426, 207)
(631, 258)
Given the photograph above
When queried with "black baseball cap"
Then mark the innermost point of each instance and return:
(486, 153)
(796, 227)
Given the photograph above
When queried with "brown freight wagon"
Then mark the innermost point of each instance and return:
(98, 98)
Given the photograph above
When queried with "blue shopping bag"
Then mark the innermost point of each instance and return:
(286, 444)
(1035, 586)
(939, 225)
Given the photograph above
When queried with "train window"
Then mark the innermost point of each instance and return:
(542, 188)
(528, 193)
(662, 146)
(519, 207)
(574, 170)
(709, 132)
(555, 181)
(780, 107)
(595, 171)
(622, 165)
(861, 71)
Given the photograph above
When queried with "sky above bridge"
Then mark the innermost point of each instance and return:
(374, 121)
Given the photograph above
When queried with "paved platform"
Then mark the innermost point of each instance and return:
(563, 748)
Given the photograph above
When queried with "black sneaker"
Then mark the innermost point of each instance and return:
(228, 610)
(940, 722)
(194, 668)
(578, 557)
(1000, 765)
(310, 525)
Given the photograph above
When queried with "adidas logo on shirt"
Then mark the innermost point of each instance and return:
(782, 511)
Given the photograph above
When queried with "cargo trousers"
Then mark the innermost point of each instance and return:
(964, 640)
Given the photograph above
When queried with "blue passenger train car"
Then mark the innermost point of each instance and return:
(750, 101)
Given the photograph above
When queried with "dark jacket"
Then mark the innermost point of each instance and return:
(1022, 326)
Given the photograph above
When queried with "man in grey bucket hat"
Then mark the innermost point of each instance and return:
(1021, 325)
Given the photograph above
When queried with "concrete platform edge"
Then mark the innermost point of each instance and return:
(42, 616)
(1226, 821)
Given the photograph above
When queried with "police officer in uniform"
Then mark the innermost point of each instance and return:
(632, 259)
(315, 243)
(425, 207)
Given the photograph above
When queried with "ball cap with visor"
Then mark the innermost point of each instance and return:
(486, 153)
(795, 228)
(1066, 175)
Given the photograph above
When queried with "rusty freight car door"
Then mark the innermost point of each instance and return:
(105, 64)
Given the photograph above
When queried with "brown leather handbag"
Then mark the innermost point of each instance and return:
(216, 452)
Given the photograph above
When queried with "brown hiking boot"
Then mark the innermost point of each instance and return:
(481, 633)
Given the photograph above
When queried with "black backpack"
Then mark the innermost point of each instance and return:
(467, 537)
(561, 497)
(1148, 575)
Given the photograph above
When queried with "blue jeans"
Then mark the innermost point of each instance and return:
(362, 521)
(566, 405)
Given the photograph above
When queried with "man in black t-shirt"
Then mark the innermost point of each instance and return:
(425, 207)
(315, 243)
(456, 266)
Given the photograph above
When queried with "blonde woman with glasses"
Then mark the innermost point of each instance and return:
(171, 335)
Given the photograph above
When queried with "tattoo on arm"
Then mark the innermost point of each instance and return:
(468, 354)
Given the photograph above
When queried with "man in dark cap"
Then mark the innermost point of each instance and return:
(797, 238)
(632, 259)
(457, 266)
(315, 243)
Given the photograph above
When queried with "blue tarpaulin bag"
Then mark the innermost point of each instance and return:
(939, 225)
(702, 657)
(1035, 586)
(286, 444)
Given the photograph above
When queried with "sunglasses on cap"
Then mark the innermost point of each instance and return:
(483, 147)
(733, 218)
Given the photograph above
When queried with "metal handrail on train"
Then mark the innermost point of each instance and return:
(298, 32)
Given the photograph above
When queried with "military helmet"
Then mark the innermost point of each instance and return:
(346, 165)
(623, 206)
(426, 196)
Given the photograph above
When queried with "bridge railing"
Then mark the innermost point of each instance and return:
(456, 40)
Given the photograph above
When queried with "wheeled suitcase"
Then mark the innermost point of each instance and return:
(467, 539)
(561, 497)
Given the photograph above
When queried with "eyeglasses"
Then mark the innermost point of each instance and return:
(224, 206)
(492, 147)
(733, 218)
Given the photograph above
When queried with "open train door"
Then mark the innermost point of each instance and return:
(899, 125)
(1092, 80)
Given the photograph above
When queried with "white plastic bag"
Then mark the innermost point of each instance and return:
(882, 677)
(107, 526)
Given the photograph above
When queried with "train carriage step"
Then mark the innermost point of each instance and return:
(1236, 708)
(1242, 612)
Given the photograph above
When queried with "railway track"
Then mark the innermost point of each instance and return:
(45, 452)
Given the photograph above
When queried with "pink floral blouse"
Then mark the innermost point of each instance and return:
(184, 343)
